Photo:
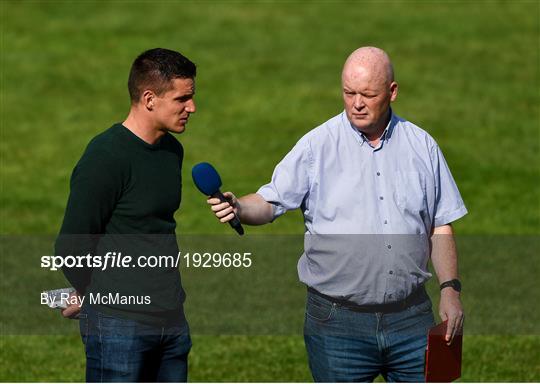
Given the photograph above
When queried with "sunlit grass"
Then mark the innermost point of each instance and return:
(268, 73)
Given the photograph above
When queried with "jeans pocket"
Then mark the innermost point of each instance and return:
(83, 326)
(110, 326)
(319, 309)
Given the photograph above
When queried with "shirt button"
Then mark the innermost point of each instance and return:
(389, 246)
(391, 272)
(381, 198)
(386, 221)
(378, 173)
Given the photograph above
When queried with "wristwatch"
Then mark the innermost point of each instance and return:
(455, 284)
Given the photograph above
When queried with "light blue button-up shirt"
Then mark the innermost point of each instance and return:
(368, 211)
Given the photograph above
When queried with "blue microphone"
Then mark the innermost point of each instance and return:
(207, 180)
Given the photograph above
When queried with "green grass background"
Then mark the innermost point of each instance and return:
(269, 72)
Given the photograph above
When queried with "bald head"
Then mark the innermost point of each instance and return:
(371, 60)
(368, 89)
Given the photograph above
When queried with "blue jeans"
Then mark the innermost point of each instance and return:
(345, 345)
(120, 350)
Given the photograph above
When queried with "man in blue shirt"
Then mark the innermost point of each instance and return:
(378, 201)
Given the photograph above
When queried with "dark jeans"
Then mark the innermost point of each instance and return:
(345, 345)
(120, 350)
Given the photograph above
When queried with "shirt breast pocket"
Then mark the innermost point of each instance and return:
(410, 192)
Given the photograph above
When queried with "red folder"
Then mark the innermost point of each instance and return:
(443, 362)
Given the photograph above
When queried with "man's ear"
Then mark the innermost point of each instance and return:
(393, 91)
(148, 98)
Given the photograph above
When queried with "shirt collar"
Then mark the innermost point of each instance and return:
(386, 135)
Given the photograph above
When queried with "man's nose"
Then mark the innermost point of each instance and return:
(190, 106)
(358, 101)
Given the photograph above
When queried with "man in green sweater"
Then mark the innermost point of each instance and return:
(124, 192)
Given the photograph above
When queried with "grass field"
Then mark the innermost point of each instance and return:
(267, 73)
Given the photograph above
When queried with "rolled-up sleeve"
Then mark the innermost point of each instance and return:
(449, 205)
(290, 180)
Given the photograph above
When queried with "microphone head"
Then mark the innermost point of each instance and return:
(206, 178)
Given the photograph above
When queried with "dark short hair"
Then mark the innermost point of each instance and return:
(154, 69)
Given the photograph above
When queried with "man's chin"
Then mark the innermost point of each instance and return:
(178, 128)
(361, 124)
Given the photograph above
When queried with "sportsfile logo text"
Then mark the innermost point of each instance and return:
(118, 260)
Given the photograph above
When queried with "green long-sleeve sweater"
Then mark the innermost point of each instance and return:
(124, 193)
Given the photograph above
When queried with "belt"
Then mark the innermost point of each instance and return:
(417, 297)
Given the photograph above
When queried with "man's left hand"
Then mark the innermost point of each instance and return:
(72, 310)
(450, 309)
